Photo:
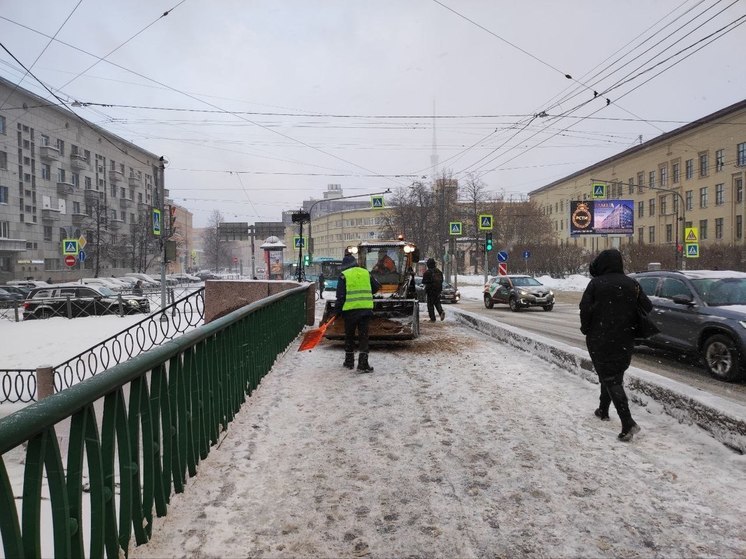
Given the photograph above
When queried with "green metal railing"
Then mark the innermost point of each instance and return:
(135, 433)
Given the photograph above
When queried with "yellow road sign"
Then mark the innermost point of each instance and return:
(691, 235)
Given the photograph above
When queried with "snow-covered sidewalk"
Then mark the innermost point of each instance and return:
(455, 446)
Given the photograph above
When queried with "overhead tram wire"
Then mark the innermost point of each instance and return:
(49, 42)
(722, 33)
(525, 52)
(102, 59)
(209, 104)
(82, 120)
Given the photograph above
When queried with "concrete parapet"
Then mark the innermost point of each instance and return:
(225, 296)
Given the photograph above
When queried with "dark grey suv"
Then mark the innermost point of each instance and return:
(701, 312)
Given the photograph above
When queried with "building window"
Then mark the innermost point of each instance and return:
(675, 173)
(47, 232)
(640, 235)
(719, 194)
(651, 179)
(3, 160)
(718, 227)
(75, 177)
(640, 209)
(663, 172)
(664, 204)
(739, 190)
(689, 168)
(719, 160)
(669, 233)
(703, 164)
(3, 194)
(113, 191)
(76, 207)
(640, 182)
(87, 181)
(2, 125)
(61, 175)
(739, 227)
(703, 197)
(44, 140)
(61, 146)
(676, 205)
(741, 155)
(651, 207)
(4, 229)
(689, 200)
(651, 235)
(703, 229)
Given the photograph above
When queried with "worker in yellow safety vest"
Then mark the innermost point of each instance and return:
(355, 290)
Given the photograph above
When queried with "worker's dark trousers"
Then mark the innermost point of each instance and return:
(356, 320)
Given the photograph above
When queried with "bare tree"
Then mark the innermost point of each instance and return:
(473, 194)
(216, 252)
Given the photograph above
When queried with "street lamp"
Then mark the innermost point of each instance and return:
(678, 257)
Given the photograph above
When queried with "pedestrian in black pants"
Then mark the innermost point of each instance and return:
(321, 285)
(355, 289)
(432, 279)
(608, 317)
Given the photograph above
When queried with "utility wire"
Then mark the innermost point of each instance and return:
(107, 55)
(17, 85)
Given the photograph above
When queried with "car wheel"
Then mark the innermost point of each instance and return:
(548, 307)
(488, 302)
(44, 313)
(514, 306)
(722, 358)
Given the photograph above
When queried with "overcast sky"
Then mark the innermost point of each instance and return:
(276, 99)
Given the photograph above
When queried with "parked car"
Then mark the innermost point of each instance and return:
(9, 298)
(20, 290)
(207, 275)
(29, 284)
(183, 278)
(449, 294)
(518, 292)
(105, 282)
(147, 280)
(700, 312)
(85, 300)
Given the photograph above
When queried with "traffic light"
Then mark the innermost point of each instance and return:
(171, 218)
(306, 259)
(488, 242)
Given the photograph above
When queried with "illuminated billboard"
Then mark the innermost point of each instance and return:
(602, 217)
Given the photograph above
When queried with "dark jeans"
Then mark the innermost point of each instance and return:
(433, 303)
(356, 320)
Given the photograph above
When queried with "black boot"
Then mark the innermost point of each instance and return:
(362, 364)
(619, 398)
(349, 359)
(604, 401)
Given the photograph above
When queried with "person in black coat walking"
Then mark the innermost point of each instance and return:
(432, 279)
(608, 317)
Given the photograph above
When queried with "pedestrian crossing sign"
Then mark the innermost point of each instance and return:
(485, 222)
(455, 228)
(692, 250)
(299, 242)
(70, 246)
(376, 202)
(599, 190)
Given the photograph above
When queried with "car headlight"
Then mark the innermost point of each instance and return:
(522, 293)
(742, 323)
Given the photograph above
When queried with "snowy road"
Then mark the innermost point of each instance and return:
(453, 447)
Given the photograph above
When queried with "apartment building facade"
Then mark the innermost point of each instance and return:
(65, 178)
(691, 177)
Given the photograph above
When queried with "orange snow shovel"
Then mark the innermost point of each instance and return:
(312, 338)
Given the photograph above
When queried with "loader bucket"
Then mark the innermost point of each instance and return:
(393, 319)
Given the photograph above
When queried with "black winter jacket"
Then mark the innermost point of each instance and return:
(432, 279)
(608, 309)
